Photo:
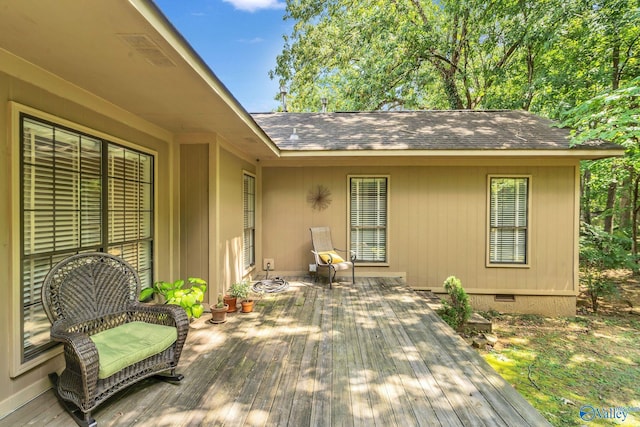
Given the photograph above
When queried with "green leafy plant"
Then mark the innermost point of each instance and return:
(457, 312)
(600, 251)
(240, 290)
(188, 297)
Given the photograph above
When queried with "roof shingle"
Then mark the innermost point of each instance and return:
(415, 130)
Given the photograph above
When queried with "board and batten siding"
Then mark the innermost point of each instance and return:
(437, 225)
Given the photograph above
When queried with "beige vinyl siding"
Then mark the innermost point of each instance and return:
(194, 218)
(437, 224)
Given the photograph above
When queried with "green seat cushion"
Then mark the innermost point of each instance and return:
(130, 343)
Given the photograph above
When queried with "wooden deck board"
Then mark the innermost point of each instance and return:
(357, 355)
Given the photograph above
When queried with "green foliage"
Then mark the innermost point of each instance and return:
(190, 298)
(240, 290)
(613, 116)
(543, 55)
(600, 251)
(457, 312)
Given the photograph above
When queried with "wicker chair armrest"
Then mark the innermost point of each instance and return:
(160, 314)
(80, 353)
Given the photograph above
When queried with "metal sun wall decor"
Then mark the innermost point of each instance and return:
(319, 197)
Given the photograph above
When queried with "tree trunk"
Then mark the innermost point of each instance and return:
(585, 190)
(634, 219)
(608, 212)
(451, 89)
(625, 204)
(530, 73)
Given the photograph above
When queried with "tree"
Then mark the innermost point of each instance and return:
(614, 116)
(413, 54)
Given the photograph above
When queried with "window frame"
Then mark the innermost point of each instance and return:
(245, 175)
(18, 364)
(387, 177)
(527, 250)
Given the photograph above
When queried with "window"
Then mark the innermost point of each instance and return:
(508, 220)
(78, 193)
(368, 218)
(249, 233)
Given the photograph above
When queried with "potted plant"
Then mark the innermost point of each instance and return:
(188, 297)
(241, 291)
(219, 311)
(230, 300)
(247, 305)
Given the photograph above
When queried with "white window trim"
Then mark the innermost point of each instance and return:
(348, 228)
(490, 264)
(17, 367)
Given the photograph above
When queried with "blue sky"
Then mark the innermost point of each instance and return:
(238, 39)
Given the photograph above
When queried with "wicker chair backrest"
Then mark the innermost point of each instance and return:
(89, 286)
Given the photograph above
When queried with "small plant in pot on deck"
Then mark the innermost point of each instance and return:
(190, 298)
(241, 291)
(219, 311)
(230, 300)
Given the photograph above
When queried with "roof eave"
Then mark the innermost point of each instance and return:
(584, 154)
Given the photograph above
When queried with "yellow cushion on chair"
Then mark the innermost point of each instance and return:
(330, 255)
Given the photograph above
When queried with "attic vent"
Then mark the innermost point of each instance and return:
(148, 49)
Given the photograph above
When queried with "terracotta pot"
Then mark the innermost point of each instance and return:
(219, 315)
(231, 301)
(247, 306)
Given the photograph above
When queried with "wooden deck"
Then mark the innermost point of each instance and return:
(372, 354)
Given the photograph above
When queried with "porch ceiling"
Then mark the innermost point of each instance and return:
(127, 53)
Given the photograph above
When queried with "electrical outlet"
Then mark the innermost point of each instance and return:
(268, 263)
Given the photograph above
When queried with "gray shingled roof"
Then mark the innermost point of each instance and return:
(415, 130)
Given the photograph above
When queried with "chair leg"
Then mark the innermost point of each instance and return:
(80, 418)
(173, 377)
(334, 276)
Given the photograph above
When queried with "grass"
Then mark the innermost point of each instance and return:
(561, 365)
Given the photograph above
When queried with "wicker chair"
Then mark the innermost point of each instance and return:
(326, 256)
(91, 293)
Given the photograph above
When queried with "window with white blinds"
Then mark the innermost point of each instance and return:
(78, 193)
(508, 220)
(249, 233)
(368, 218)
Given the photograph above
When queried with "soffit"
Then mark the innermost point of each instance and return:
(128, 54)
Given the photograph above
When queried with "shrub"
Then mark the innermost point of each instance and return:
(457, 312)
(600, 251)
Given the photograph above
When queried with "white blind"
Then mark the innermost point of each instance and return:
(368, 218)
(249, 202)
(508, 220)
(62, 203)
(130, 202)
(61, 206)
